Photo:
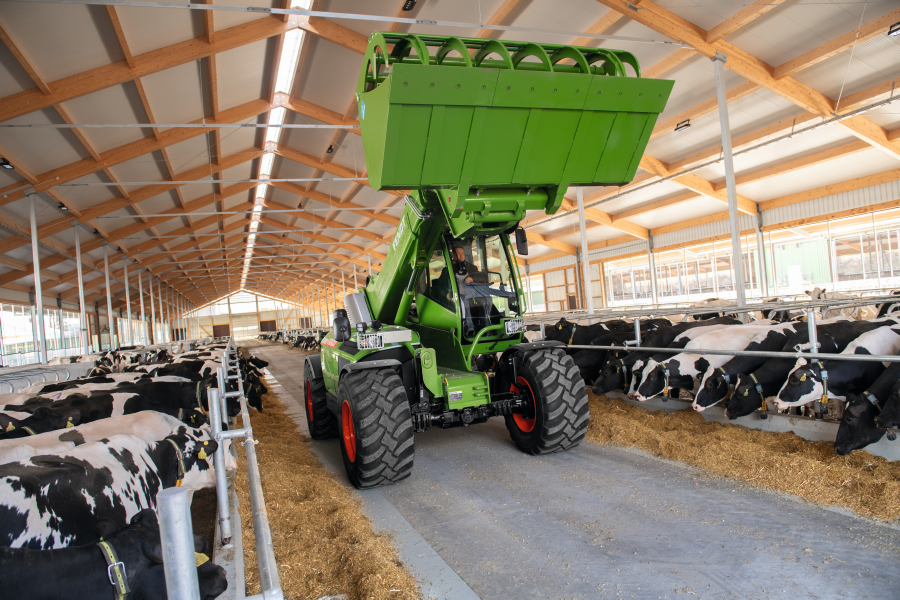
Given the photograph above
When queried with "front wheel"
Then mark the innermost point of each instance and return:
(321, 422)
(558, 415)
(376, 428)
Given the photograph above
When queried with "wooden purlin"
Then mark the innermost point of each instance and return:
(674, 27)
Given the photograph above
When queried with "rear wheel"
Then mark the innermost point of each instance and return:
(376, 428)
(321, 422)
(557, 418)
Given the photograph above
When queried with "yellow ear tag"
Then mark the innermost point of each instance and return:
(803, 378)
(69, 423)
(202, 455)
(746, 392)
(200, 558)
(10, 427)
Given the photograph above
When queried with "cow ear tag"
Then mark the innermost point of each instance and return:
(10, 427)
(202, 455)
(803, 377)
(69, 423)
(746, 392)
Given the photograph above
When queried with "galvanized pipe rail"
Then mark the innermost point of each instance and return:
(180, 585)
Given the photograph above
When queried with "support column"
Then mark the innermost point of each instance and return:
(761, 253)
(128, 305)
(355, 283)
(109, 316)
(718, 63)
(38, 297)
(162, 335)
(85, 341)
(585, 260)
(152, 336)
(528, 303)
(652, 262)
(143, 316)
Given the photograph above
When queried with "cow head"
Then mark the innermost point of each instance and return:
(804, 384)
(42, 420)
(890, 416)
(99, 372)
(188, 454)
(561, 332)
(139, 547)
(258, 362)
(858, 427)
(713, 390)
(654, 381)
(613, 376)
(746, 398)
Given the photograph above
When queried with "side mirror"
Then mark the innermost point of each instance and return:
(341, 325)
(521, 242)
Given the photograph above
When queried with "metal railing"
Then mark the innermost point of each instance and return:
(174, 513)
(7, 379)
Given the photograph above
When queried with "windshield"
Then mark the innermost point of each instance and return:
(484, 281)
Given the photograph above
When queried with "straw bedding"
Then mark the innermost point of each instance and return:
(869, 485)
(324, 545)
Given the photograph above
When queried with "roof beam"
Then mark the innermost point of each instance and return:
(13, 47)
(741, 18)
(334, 33)
(837, 45)
(603, 23)
(117, 73)
(667, 23)
(497, 18)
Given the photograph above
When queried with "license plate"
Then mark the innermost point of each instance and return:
(515, 326)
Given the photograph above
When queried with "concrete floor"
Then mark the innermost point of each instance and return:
(602, 522)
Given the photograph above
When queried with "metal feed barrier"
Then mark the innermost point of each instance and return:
(27, 375)
(174, 504)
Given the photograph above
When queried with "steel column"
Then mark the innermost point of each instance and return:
(177, 536)
(761, 253)
(83, 314)
(585, 261)
(162, 337)
(109, 316)
(718, 64)
(38, 292)
(153, 335)
(652, 262)
(128, 305)
(143, 315)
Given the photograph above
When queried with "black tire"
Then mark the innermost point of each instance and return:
(561, 413)
(376, 428)
(320, 421)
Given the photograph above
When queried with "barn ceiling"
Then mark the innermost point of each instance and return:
(185, 203)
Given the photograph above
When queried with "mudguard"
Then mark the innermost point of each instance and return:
(367, 365)
(315, 361)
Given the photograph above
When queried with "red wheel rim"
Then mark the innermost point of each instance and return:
(309, 408)
(348, 431)
(522, 422)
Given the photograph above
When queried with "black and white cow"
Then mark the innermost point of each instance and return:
(42, 419)
(890, 416)
(861, 421)
(717, 381)
(589, 362)
(806, 381)
(48, 501)
(617, 373)
(767, 380)
(90, 408)
(148, 425)
(81, 571)
(684, 371)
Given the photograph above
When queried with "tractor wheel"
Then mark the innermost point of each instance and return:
(376, 428)
(321, 422)
(558, 419)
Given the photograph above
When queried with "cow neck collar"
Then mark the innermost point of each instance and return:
(874, 402)
(623, 368)
(115, 571)
(572, 334)
(759, 390)
(822, 403)
(179, 455)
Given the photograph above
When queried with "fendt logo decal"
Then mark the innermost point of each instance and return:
(401, 229)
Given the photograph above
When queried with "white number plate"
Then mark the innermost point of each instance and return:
(515, 326)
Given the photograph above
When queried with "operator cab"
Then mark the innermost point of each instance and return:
(472, 277)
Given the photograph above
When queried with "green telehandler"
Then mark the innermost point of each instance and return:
(477, 132)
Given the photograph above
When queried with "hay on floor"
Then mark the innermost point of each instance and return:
(869, 485)
(324, 544)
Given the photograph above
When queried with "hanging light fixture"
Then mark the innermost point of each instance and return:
(330, 149)
(5, 164)
(62, 206)
(683, 125)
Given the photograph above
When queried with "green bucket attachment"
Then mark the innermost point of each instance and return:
(478, 115)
